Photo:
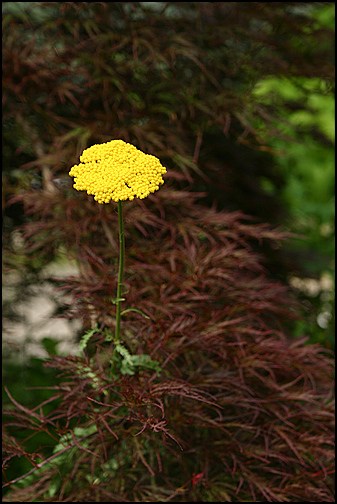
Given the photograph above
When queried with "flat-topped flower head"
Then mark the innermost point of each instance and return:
(117, 171)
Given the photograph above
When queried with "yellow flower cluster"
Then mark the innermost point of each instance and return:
(117, 171)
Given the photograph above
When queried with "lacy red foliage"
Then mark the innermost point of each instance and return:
(235, 400)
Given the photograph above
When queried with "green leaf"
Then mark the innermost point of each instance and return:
(130, 363)
(135, 310)
(115, 300)
(86, 337)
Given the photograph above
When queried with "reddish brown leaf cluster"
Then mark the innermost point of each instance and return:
(235, 400)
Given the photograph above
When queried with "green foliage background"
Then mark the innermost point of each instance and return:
(307, 163)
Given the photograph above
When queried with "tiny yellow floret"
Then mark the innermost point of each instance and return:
(117, 171)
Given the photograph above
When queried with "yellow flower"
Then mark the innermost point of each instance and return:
(117, 171)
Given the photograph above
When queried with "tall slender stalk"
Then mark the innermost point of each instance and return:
(121, 269)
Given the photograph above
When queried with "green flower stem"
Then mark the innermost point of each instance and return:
(121, 269)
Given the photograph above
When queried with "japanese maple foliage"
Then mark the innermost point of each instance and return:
(233, 411)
